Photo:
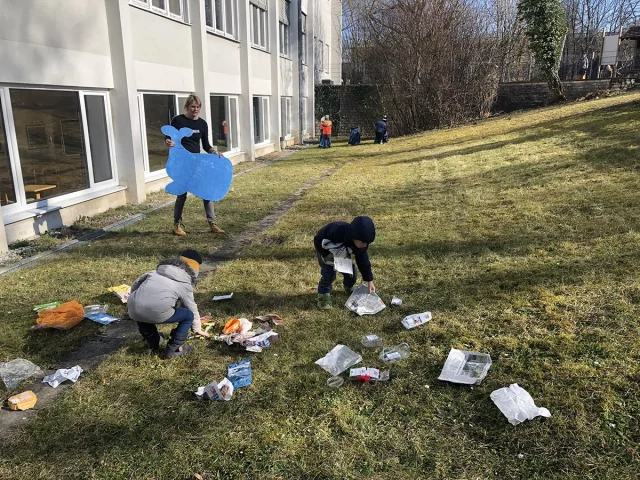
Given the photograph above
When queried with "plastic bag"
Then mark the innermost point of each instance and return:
(64, 317)
(63, 374)
(516, 404)
(17, 370)
(339, 359)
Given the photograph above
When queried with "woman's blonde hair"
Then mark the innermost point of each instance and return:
(192, 99)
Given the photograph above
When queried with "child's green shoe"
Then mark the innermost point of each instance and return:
(348, 290)
(324, 301)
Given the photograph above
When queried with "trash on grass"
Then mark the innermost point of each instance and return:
(465, 367)
(46, 306)
(371, 341)
(62, 375)
(15, 371)
(92, 309)
(415, 320)
(394, 354)
(122, 291)
(62, 317)
(272, 319)
(339, 359)
(396, 301)
(22, 401)
(364, 303)
(102, 318)
(516, 404)
(335, 382)
(216, 391)
(222, 297)
(237, 325)
(239, 373)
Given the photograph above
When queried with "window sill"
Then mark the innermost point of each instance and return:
(54, 204)
(222, 35)
(156, 175)
(266, 143)
(258, 47)
(286, 57)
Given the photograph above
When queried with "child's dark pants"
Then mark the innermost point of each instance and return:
(328, 276)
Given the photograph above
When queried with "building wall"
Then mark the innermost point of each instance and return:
(120, 51)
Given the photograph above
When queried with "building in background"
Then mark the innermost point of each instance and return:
(85, 86)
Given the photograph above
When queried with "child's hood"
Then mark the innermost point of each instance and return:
(177, 270)
(363, 229)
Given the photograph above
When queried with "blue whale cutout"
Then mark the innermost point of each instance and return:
(202, 174)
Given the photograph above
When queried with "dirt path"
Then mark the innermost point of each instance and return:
(95, 350)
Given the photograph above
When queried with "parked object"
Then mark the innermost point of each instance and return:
(517, 405)
(372, 341)
(412, 321)
(22, 401)
(62, 375)
(239, 373)
(354, 136)
(396, 301)
(335, 382)
(394, 354)
(122, 291)
(339, 359)
(62, 317)
(468, 368)
(46, 306)
(216, 391)
(364, 303)
(15, 371)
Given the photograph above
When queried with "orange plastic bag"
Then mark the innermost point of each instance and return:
(232, 326)
(64, 317)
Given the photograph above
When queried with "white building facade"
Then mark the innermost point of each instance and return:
(85, 86)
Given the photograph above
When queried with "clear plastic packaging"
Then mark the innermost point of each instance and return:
(339, 359)
(335, 382)
(372, 341)
(516, 404)
(393, 354)
(93, 309)
(15, 371)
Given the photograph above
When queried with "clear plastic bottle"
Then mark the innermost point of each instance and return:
(393, 354)
(335, 382)
(371, 341)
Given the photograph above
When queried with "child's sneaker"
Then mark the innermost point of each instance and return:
(348, 290)
(324, 301)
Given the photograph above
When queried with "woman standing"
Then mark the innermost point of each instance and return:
(191, 119)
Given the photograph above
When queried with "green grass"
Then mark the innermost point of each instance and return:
(520, 235)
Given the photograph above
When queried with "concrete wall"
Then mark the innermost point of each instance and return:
(261, 70)
(41, 43)
(522, 96)
(224, 65)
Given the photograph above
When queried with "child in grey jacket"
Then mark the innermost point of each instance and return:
(154, 297)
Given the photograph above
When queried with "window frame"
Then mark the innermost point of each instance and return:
(231, 126)
(21, 203)
(261, 29)
(165, 12)
(285, 117)
(284, 40)
(234, 20)
(264, 116)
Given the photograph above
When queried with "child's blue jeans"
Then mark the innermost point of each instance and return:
(182, 316)
(328, 276)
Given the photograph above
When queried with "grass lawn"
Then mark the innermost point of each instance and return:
(520, 234)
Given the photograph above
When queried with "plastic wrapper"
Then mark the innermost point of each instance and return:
(338, 360)
(102, 318)
(394, 354)
(239, 373)
(415, 320)
(63, 317)
(216, 391)
(371, 341)
(93, 309)
(62, 375)
(517, 405)
(15, 371)
(468, 368)
(364, 303)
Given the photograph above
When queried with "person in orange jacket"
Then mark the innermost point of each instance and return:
(326, 131)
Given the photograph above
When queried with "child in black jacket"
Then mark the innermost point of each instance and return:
(342, 239)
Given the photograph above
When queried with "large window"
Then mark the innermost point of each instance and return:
(285, 47)
(158, 110)
(284, 8)
(62, 144)
(259, 32)
(260, 119)
(176, 9)
(224, 122)
(285, 117)
(221, 17)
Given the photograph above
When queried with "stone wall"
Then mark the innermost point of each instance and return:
(522, 96)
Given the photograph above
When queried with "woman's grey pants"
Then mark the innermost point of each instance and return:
(179, 206)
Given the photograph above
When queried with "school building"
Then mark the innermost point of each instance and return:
(85, 86)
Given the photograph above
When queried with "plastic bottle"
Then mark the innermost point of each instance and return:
(393, 354)
(335, 382)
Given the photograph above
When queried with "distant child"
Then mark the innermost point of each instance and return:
(327, 126)
(153, 301)
(343, 239)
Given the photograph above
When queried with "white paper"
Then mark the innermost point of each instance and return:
(412, 321)
(222, 297)
(364, 303)
(216, 391)
(373, 373)
(396, 301)
(516, 404)
(468, 368)
(343, 265)
(63, 374)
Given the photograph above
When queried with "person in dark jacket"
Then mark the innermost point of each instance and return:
(381, 130)
(154, 297)
(192, 120)
(342, 239)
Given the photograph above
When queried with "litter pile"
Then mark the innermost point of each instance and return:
(240, 331)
